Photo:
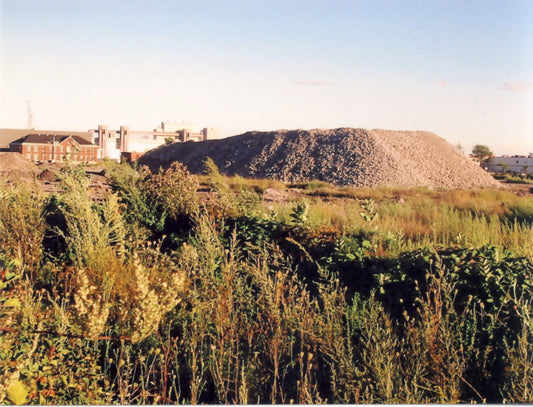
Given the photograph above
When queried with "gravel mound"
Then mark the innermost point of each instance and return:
(344, 156)
(47, 176)
(15, 163)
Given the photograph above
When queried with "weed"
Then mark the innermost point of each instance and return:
(160, 293)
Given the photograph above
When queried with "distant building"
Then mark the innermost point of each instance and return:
(53, 147)
(517, 164)
(7, 136)
(39, 145)
(131, 144)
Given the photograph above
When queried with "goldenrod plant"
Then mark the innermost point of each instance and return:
(175, 288)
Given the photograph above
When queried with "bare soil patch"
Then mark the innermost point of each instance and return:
(520, 189)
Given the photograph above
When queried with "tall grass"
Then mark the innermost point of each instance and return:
(160, 294)
(429, 222)
(22, 226)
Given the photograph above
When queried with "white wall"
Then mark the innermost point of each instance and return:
(516, 164)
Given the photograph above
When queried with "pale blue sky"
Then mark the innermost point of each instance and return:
(462, 69)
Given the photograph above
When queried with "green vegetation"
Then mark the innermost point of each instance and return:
(504, 166)
(519, 179)
(185, 289)
(513, 178)
(482, 153)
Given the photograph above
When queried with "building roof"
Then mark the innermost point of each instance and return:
(7, 136)
(50, 138)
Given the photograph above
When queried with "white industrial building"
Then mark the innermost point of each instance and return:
(519, 164)
(114, 144)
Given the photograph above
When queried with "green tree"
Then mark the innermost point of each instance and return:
(481, 153)
(504, 166)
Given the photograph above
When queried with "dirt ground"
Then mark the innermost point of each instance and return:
(15, 166)
(521, 189)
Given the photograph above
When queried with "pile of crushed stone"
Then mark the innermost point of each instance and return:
(344, 156)
(15, 163)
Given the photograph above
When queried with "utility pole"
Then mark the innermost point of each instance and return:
(29, 114)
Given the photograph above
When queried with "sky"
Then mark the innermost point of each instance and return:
(460, 69)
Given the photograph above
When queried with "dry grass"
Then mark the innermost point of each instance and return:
(202, 315)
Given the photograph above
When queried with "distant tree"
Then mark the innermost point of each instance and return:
(459, 147)
(505, 166)
(481, 153)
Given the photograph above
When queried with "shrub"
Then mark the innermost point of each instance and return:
(172, 191)
(157, 294)
(225, 201)
(22, 224)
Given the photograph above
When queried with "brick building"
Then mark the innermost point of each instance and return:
(52, 147)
